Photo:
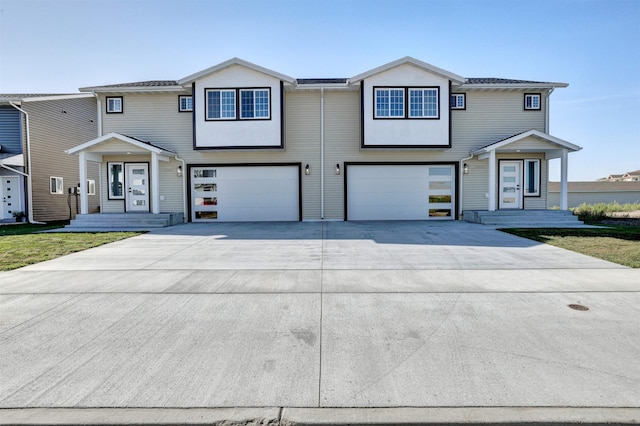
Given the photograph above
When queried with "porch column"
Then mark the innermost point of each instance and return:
(564, 181)
(155, 184)
(84, 196)
(492, 180)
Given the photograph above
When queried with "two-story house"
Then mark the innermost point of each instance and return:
(12, 175)
(404, 141)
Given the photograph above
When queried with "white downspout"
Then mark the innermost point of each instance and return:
(322, 152)
(461, 182)
(99, 113)
(184, 189)
(28, 175)
(546, 121)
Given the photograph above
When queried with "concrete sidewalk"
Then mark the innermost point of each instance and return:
(321, 323)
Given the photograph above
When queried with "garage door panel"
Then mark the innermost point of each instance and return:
(400, 192)
(246, 193)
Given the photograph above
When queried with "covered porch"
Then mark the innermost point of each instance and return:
(515, 169)
(136, 177)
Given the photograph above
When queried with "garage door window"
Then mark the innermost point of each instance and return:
(440, 190)
(205, 186)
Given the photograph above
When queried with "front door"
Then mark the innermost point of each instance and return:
(10, 196)
(137, 187)
(510, 185)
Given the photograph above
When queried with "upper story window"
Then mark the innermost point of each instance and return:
(55, 185)
(407, 102)
(389, 103)
(221, 104)
(423, 103)
(458, 101)
(254, 103)
(532, 101)
(185, 103)
(114, 105)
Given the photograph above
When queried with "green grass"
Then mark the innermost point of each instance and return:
(22, 245)
(619, 244)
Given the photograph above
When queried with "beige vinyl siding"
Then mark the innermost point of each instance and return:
(51, 133)
(475, 185)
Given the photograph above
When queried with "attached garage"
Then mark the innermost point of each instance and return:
(400, 191)
(242, 193)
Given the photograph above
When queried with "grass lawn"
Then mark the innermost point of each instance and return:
(619, 244)
(21, 245)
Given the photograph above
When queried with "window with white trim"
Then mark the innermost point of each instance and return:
(91, 187)
(56, 185)
(532, 101)
(114, 105)
(532, 178)
(254, 103)
(389, 103)
(458, 101)
(185, 103)
(220, 104)
(115, 180)
(423, 103)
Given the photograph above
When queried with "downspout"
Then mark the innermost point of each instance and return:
(184, 190)
(99, 113)
(461, 185)
(546, 121)
(28, 175)
(322, 152)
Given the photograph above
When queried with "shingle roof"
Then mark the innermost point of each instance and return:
(493, 80)
(6, 97)
(149, 143)
(321, 80)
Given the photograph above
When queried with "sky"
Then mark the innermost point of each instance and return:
(58, 46)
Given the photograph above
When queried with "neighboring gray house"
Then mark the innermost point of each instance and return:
(38, 129)
(596, 192)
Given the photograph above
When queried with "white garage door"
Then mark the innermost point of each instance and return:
(400, 192)
(245, 193)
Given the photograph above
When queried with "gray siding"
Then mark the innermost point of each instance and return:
(52, 132)
(10, 130)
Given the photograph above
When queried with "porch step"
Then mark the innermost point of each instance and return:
(129, 221)
(525, 218)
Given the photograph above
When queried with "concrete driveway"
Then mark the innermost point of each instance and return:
(323, 321)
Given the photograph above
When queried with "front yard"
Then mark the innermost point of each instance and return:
(22, 245)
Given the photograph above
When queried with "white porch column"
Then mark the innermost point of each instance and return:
(84, 196)
(564, 181)
(155, 184)
(492, 180)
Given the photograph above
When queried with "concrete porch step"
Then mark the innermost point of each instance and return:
(125, 221)
(524, 218)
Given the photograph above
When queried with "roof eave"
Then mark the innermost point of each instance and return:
(506, 86)
(132, 89)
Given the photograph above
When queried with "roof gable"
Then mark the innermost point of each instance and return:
(411, 61)
(520, 136)
(235, 61)
(147, 146)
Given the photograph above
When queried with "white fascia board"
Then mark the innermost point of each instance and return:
(455, 78)
(133, 89)
(58, 97)
(514, 86)
(235, 61)
(331, 86)
(118, 136)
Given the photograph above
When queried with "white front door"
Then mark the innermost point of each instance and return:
(137, 195)
(510, 185)
(10, 196)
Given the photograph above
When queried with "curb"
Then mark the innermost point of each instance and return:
(275, 416)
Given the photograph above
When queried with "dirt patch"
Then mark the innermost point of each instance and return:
(623, 218)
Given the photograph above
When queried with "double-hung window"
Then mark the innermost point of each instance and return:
(185, 103)
(254, 103)
(221, 104)
(114, 105)
(423, 103)
(389, 103)
(55, 185)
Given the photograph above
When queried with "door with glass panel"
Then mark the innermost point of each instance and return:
(137, 195)
(10, 192)
(510, 185)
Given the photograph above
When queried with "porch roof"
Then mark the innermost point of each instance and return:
(544, 142)
(14, 160)
(136, 145)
